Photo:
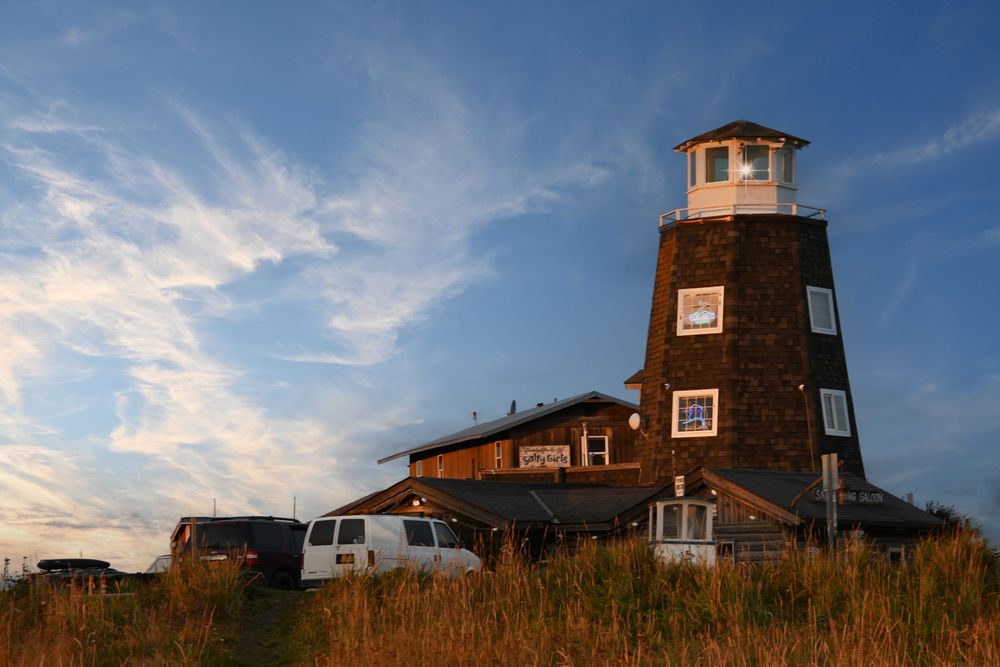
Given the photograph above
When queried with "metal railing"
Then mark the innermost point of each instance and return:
(801, 210)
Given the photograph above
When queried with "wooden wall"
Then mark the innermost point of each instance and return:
(764, 352)
(469, 460)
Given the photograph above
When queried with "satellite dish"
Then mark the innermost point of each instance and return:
(634, 421)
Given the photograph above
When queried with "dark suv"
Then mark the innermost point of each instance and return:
(268, 546)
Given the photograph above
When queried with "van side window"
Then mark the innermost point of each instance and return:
(322, 533)
(352, 531)
(446, 538)
(418, 533)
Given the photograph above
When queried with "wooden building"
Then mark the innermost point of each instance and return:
(585, 438)
(762, 513)
(744, 387)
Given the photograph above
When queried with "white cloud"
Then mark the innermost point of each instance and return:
(974, 129)
(126, 258)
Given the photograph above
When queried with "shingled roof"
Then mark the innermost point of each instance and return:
(782, 488)
(487, 429)
(505, 504)
(741, 129)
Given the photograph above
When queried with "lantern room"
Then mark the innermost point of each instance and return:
(741, 168)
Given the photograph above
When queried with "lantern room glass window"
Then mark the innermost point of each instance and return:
(756, 162)
(699, 310)
(694, 413)
(692, 169)
(717, 164)
(787, 167)
(835, 419)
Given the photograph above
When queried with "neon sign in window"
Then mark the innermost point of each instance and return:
(695, 413)
(699, 310)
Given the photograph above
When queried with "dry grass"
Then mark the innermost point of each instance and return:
(609, 604)
(168, 621)
(616, 605)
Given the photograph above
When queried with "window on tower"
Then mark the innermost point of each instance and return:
(821, 310)
(835, 420)
(699, 310)
(756, 163)
(786, 164)
(717, 164)
(694, 413)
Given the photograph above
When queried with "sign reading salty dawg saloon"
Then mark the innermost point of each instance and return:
(554, 456)
(853, 497)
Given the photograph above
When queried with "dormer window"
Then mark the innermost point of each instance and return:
(756, 163)
(717, 164)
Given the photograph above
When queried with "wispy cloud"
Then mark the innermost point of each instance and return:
(974, 129)
(127, 257)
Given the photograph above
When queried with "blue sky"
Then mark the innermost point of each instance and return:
(246, 249)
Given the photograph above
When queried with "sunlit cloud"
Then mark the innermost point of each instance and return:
(128, 258)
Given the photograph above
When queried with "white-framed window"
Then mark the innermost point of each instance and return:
(835, 420)
(498, 453)
(420, 468)
(699, 310)
(717, 164)
(595, 450)
(694, 414)
(756, 163)
(821, 310)
(786, 164)
(440, 465)
(692, 169)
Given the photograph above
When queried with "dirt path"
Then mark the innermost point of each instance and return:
(263, 637)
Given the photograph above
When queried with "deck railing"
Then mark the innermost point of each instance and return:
(733, 209)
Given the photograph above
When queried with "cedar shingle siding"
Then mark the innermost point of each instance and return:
(765, 351)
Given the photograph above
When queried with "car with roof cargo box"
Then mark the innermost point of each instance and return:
(270, 548)
(336, 545)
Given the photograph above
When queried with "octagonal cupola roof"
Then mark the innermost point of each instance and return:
(742, 129)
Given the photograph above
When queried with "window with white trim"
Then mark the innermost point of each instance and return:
(595, 451)
(498, 452)
(835, 420)
(440, 465)
(694, 413)
(717, 164)
(693, 169)
(420, 468)
(699, 310)
(756, 163)
(821, 310)
(786, 164)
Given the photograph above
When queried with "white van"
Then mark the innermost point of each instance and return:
(335, 545)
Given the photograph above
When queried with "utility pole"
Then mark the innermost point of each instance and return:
(830, 487)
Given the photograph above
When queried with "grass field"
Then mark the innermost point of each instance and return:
(608, 604)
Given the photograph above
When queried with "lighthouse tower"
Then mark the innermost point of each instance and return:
(745, 363)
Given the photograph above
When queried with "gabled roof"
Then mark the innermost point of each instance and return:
(506, 504)
(782, 488)
(741, 129)
(487, 429)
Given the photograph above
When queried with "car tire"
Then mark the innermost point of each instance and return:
(282, 581)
